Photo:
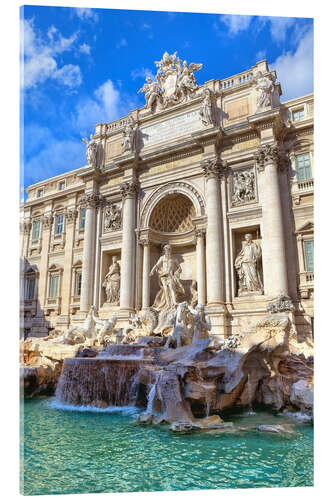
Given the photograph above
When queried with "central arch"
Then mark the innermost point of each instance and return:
(187, 190)
(173, 214)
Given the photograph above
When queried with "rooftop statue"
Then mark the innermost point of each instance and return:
(175, 82)
(265, 89)
(91, 152)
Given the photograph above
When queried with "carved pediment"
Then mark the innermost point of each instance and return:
(306, 228)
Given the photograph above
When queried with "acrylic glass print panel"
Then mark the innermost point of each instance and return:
(166, 251)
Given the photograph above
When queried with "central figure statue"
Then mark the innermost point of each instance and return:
(172, 291)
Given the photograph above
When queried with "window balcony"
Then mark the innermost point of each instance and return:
(53, 304)
(306, 284)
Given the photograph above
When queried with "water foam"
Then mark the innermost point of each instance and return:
(125, 410)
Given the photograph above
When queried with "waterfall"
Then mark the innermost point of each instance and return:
(151, 397)
(250, 393)
(98, 382)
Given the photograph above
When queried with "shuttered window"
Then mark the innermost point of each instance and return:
(54, 285)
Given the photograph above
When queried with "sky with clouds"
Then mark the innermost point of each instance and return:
(81, 66)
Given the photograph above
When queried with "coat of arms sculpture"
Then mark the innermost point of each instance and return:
(175, 82)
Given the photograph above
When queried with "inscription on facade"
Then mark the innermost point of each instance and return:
(174, 127)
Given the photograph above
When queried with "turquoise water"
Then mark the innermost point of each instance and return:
(106, 451)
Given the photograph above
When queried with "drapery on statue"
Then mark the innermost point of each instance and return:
(172, 291)
(128, 143)
(112, 283)
(246, 264)
(152, 93)
(206, 108)
(265, 88)
(91, 152)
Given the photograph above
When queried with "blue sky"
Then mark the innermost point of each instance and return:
(84, 66)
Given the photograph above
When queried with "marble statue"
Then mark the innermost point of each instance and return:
(112, 217)
(79, 334)
(265, 88)
(91, 152)
(194, 293)
(202, 324)
(128, 143)
(112, 283)
(206, 109)
(171, 289)
(107, 327)
(175, 82)
(152, 93)
(149, 320)
(246, 264)
(182, 326)
(243, 187)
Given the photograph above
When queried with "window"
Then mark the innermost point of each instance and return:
(83, 218)
(303, 167)
(78, 284)
(298, 115)
(54, 285)
(62, 185)
(60, 224)
(308, 251)
(30, 288)
(35, 229)
(40, 193)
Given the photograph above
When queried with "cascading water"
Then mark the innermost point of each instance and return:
(250, 393)
(95, 382)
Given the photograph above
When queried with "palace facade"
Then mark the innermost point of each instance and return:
(197, 168)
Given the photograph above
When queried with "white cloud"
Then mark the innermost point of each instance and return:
(85, 48)
(236, 23)
(278, 26)
(86, 14)
(295, 69)
(122, 43)
(141, 73)
(260, 55)
(103, 107)
(39, 61)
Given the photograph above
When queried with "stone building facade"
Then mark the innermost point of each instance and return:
(198, 168)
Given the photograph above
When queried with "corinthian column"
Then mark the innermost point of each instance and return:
(273, 244)
(201, 278)
(128, 191)
(214, 251)
(89, 202)
(145, 274)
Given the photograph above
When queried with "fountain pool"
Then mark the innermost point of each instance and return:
(88, 450)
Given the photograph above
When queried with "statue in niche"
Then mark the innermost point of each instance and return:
(206, 109)
(128, 143)
(246, 264)
(172, 291)
(265, 88)
(152, 93)
(91, 152)
(194, 293)
(112, 283)
(112, 217)
(243, 187)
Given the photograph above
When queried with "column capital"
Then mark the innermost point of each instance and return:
(144, 241)
(213, 168)
(200, 233)
(47, 220)
(71, 214)
(129, 189)
(266, 154)
(89, 200)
